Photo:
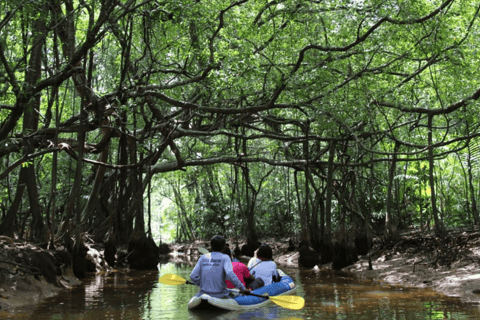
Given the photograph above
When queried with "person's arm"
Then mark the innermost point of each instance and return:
(195, 275)
(247, 275)
(249, 263)
(276, 276)
(253, 263)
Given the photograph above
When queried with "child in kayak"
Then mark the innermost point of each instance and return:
(213, 269)
(239, 269)
(262, 267)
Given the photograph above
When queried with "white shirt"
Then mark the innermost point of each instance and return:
(262, 269)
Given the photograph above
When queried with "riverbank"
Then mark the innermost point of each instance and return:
(462, 280)
(449, 266)
(30, 274)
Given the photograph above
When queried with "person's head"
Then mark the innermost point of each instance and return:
(226, 250)
(265, 252)
(217, 243)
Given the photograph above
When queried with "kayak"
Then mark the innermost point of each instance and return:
(244, 302)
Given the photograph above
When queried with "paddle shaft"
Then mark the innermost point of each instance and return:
(258, 295)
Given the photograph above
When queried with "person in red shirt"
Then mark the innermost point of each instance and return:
(239, 269)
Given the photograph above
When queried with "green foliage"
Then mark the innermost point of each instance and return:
(207, 97)
(26, 164)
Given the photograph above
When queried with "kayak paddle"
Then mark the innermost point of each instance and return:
(173, 279)
(203, 250)
(289, 302)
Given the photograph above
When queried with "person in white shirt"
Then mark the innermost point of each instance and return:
(263, 268)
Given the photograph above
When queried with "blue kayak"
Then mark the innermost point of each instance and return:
(286, 286)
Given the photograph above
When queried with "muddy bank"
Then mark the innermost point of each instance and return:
(449, 265)
(29, 274)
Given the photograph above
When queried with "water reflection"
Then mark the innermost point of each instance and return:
(338, 295)
(328, 295)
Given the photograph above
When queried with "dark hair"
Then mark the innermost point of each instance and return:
(226, 250)
(265, 252)
(217, 243)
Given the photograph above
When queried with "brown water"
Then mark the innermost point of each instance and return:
(328, 295)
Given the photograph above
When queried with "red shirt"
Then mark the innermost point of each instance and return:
(241, 271)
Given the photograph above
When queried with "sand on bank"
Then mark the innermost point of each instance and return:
(461, 280)
(413, 262)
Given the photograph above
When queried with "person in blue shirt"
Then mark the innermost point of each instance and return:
(213, 269)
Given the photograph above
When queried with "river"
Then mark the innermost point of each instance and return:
(328, 295)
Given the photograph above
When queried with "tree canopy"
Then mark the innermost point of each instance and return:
(253, 117)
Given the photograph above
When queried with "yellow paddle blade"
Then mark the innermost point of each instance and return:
(203, 250)
(172, 279)
(289, 302)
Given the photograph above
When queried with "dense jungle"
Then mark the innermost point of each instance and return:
(133, 124)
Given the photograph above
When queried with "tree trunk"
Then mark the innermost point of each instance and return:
(305, 212)
(143, 252)
(121, 228)
(301, 212)
(149, 207)
(250, 197)
(315, 232)
(473, 200)
(439, 228)
(326, 248)
(6, 227)
(183, 219)
(93, 199)
(30, 124)
(391, 232)
(328, 200)
(135, 181)
(369, 211)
